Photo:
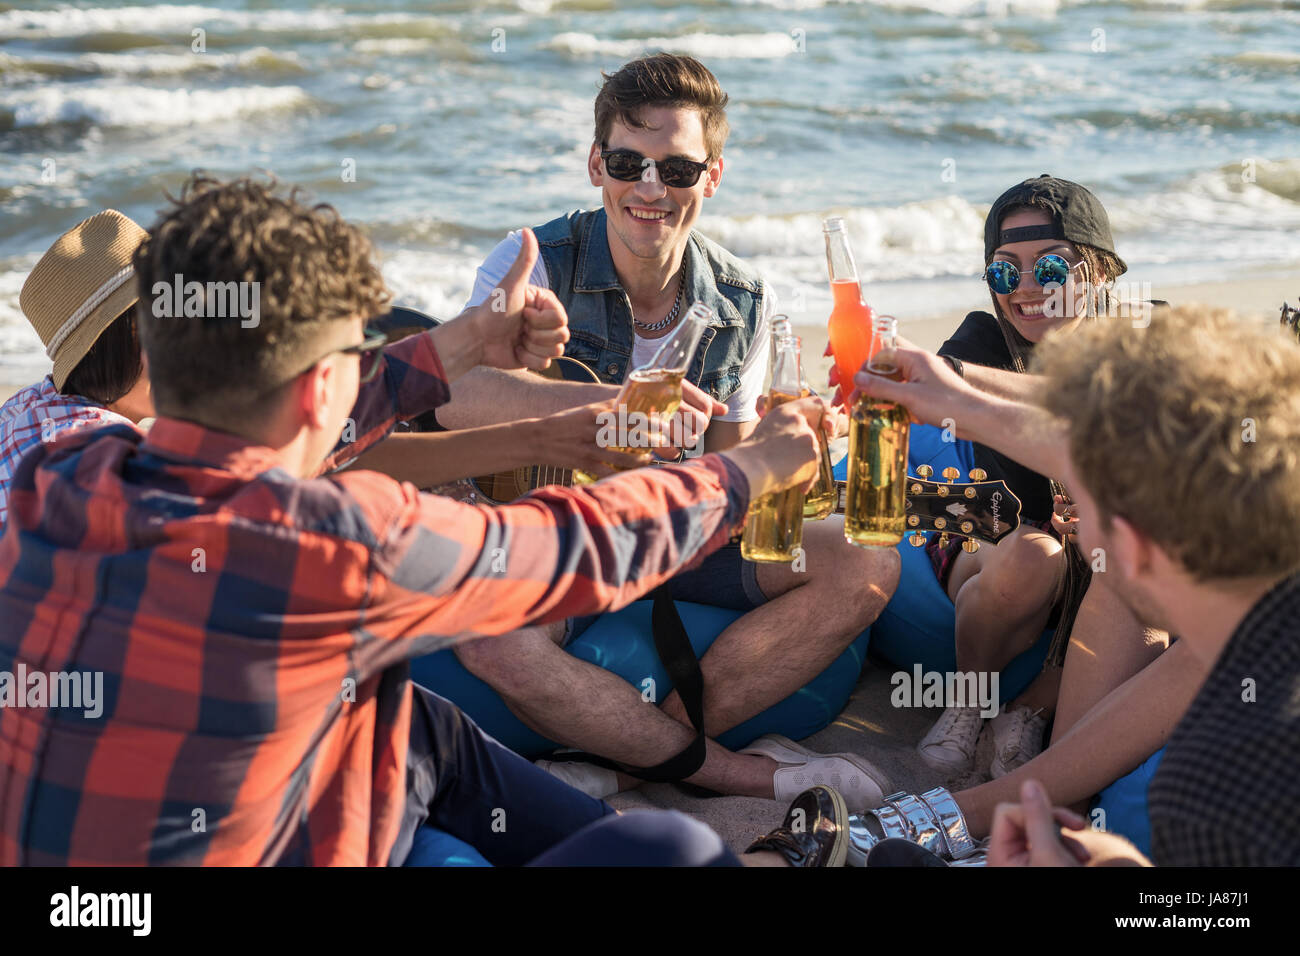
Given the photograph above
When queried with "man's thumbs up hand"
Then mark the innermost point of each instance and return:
(521, 325)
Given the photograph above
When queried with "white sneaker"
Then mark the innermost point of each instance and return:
(861, 784)
(594, 781)
(1017, 739)
(950, 744)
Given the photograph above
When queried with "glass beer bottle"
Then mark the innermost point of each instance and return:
(850, 323)
(822, 498)
(774, 525)
(652, 393)
(876, 510)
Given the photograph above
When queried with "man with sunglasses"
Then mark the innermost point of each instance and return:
(624, 273)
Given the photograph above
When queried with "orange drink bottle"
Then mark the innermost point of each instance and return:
(850, 324)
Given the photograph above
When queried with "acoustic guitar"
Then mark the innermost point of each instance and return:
(982, 510)
(506, 486)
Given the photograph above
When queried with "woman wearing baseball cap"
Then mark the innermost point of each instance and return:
(1050, 263)
(80, 298)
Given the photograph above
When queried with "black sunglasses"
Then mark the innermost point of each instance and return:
(628, 166)
(371, 351)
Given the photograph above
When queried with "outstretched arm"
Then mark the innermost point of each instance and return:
(568, 439)
(451, 571)
(1016, 386)
(933, 393)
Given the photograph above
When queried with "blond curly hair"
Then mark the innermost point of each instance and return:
(1189, 429)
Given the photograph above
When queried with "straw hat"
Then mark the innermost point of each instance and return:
(80, 286)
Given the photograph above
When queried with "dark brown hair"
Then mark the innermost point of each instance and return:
(111, 367)
(663, 79)
(311, 269)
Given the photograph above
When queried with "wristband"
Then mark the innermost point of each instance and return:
(955, 364)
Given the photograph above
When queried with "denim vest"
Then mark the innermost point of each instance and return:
(581, 274)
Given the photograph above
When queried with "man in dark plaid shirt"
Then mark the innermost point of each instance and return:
(252, 624)
(1180, 443)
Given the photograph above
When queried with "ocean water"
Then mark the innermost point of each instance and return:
(462, 120)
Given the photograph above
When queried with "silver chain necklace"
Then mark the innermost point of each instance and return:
(671, 317)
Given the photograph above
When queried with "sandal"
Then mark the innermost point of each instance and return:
(932, 821)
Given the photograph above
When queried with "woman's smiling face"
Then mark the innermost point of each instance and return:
(1025, 307)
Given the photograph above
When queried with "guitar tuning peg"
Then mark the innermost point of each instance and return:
(916, 539)
(970, 545)
(925, 471)
(967, 527)
(978, 474)
(951, 473)
(943, 540)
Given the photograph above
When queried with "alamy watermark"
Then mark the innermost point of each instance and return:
(62, 690)
(1121, 299)
(620, 428)
(75, 908)
(213, 300)
(921, 688)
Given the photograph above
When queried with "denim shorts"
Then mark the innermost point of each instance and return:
(723, 579)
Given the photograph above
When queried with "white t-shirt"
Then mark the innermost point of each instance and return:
(753, 370)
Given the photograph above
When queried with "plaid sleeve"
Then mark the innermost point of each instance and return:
(449, 569)
(1217, 842)
(412, 382)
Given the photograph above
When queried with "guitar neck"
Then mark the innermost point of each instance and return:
(982, 510)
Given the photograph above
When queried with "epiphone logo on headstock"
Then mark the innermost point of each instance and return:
(996, 501)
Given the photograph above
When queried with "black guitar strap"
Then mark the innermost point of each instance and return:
(678, 657)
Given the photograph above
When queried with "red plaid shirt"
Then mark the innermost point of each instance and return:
(252, 628)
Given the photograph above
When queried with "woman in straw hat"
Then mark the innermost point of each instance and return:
(80, 299)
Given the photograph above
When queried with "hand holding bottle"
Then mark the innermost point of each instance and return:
(782, 451)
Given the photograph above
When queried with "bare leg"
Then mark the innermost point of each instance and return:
(1003, 596)
(1124, 728)
(1042, 694)
(584, 706)
(760, 659)
(1108, 645)
(810, 618)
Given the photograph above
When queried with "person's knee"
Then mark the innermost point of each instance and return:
(855, 582)
(1025, 574)
(663, 838)
(508, 661)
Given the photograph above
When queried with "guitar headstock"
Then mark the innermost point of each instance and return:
(1291, 319)
(980, 511)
